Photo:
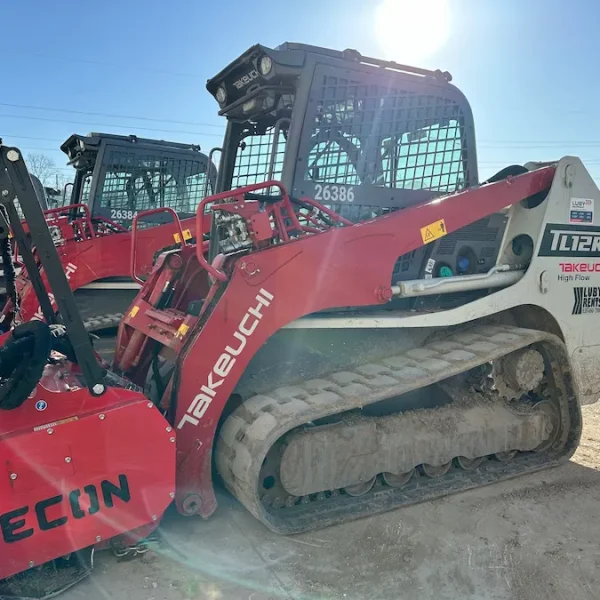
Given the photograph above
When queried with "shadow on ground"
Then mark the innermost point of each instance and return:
(532, 538)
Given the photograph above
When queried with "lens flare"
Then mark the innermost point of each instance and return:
(409, 31)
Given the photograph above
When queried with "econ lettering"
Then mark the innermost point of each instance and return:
(56, 511)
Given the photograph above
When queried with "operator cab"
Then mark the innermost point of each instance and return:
(362, 136)
(118, 176)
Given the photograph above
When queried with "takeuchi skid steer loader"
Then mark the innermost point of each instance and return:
(119, 180)
(369, 326)
(326, 370)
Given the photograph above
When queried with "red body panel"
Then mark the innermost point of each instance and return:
(348, 266)
(76, 470)
(94, 259)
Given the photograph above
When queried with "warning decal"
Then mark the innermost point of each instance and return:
(433, 231)
(187, 235)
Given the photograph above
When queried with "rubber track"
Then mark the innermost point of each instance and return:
(253, 428)
(100, 322)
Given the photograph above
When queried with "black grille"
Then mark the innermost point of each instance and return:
(447, 246)
(253, 159)
(480, 231)
(388, 137)
(488, 252)
(139, 182)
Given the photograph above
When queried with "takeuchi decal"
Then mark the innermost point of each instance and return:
(223, 365)
(577, 271)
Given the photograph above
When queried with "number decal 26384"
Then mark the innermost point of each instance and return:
(334, 193)
(117, 214)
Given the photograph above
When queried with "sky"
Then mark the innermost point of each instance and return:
(528, 67)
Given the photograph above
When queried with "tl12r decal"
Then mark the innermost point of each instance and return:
(26, 521)
(586, 301)
(570, 241)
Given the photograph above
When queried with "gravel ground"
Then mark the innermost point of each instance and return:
(533, 538)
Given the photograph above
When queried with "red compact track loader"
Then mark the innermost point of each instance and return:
(368, 325)
(118, 180)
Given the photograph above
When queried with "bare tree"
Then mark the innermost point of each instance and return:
(43, 167)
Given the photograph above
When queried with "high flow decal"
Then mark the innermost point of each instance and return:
(26, 521)
(570, 241)
(223, 365)
(586, 301)
(577, 271)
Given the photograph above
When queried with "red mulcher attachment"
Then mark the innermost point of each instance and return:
(76, 472)
(86, 461)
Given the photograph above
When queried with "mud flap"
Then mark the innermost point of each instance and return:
(50, 579)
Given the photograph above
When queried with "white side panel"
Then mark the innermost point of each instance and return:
(564, 276)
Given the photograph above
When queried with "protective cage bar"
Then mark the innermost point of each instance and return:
(137, 181)
(383, 134)
(15, 182)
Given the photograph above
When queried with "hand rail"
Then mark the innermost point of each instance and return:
(134, 230)
(236, 194)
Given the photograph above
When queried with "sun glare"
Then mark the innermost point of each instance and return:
(409, 31)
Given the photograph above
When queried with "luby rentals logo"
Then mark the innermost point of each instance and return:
(581, 210)
(586, 301)
(70, 268)
(223, 365)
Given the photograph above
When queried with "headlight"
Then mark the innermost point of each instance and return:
(265, 65)
(221, 95)
(249, 106)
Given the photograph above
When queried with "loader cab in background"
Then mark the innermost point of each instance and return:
(119, 176)
(362, 136)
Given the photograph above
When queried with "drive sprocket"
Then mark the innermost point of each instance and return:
(516, 374)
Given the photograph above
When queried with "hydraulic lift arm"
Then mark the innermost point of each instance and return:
(16, 183)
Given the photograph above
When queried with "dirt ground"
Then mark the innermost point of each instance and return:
(534, 538)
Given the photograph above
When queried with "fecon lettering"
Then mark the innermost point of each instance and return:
(226, 360)
(57, 511)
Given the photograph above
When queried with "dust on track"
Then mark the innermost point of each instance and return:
(533, 538)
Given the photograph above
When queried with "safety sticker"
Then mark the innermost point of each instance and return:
(183, 329)
(581, 210)
(430, 265)
(134, 311)
(187, 235)
(433, 231)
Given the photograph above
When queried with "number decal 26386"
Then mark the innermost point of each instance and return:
(117, 214)
(334, 193)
